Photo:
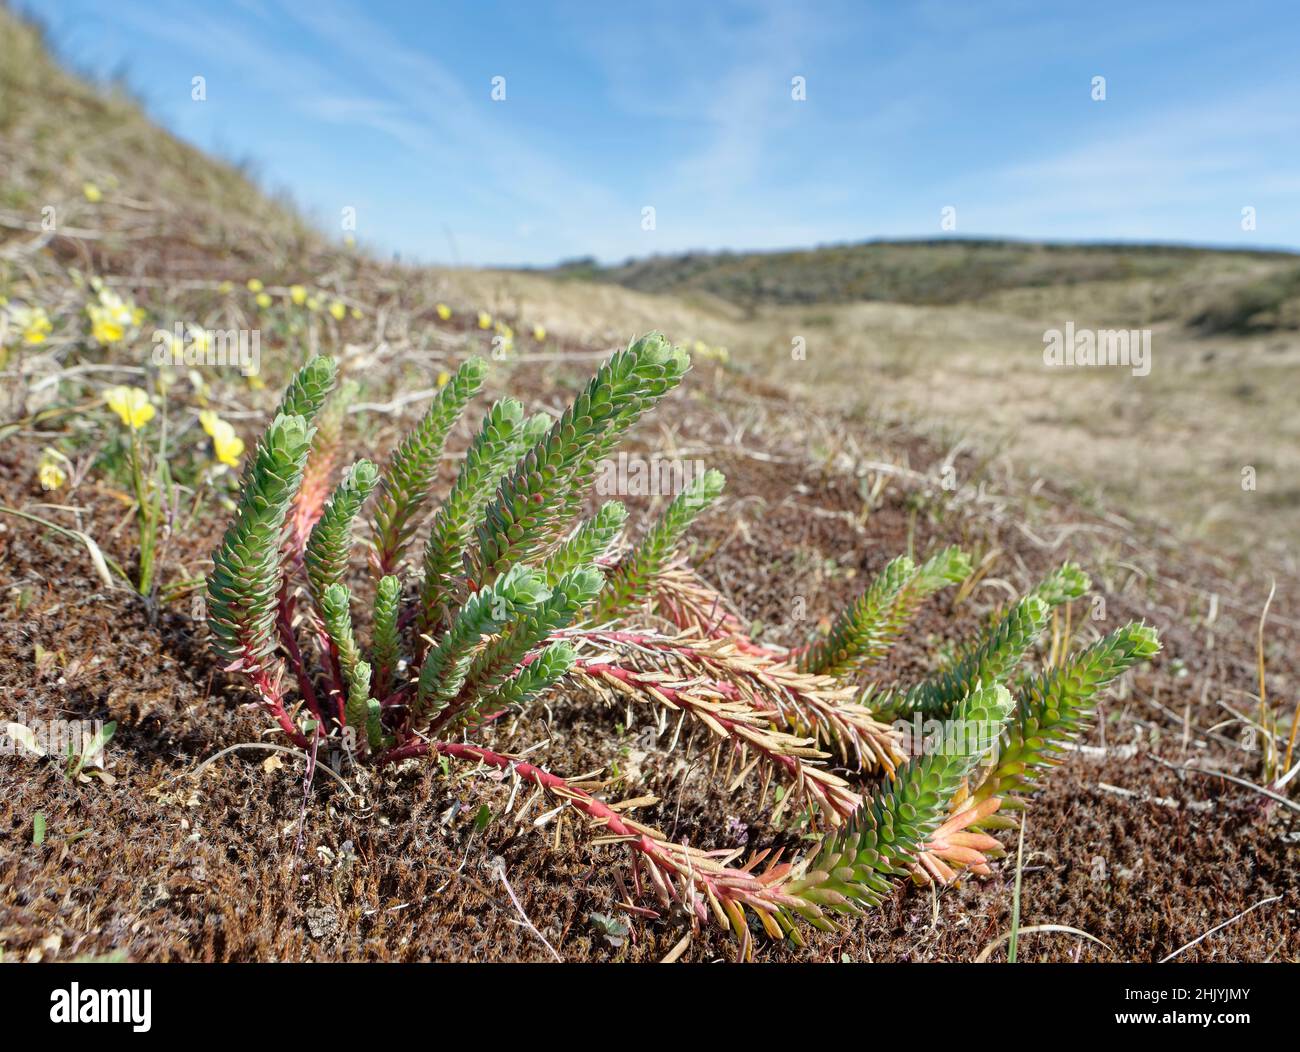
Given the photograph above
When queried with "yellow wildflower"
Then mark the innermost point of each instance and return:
(32, 322)
(93, 193)
(356, 313)
(263, 300)
(255, 285)
(112, 317)
(104, 330)
(504, 341)
(49, 469)
(131, 404)
(313, 303)
(338, 311)
(444, 378)
(484, 320)
(200, 341)
(225, 288)
(539, 333)
(298, 294)
(444, 312)
(227, 445)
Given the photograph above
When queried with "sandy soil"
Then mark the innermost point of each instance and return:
(160, 866)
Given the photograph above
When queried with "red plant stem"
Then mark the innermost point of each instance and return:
(272, 699)
(289, 640)
(396, 697)
(597, 669)
(582, 800)
(726, 626)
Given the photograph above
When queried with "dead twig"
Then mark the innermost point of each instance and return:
(501, 875)
(1218, 927)
(1276, 797)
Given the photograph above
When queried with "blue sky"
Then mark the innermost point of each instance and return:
(911, 108)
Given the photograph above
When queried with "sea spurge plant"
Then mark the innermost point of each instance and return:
(493, 451)
(867, 628)
(477, 629)
(405, 484)
(537, 500)
(511, 592)
(633, 581)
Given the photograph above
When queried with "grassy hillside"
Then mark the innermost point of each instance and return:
(1218, 290)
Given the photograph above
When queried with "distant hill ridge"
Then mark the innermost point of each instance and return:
(1224, 289)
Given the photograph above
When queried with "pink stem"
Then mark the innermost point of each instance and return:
(289, 640)
(273, 700)
(582, 800)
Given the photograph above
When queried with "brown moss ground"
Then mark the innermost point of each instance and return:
(159, 867)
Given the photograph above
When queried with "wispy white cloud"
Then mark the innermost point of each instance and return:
(1129, 179)
(686, 107)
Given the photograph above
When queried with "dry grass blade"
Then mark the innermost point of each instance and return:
(1005, 937)
(97, 557)
(1220, 927)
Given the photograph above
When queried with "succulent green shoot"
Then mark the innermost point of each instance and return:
(405, 483)
(539, 496)
(632, 583)
(385, 637)
(589, 542)
(245, 580)
(488, 459)
(486, 612)
(326, 558)
(991, 660)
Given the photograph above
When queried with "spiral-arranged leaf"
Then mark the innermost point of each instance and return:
(488, 458)
(536, 500)
(331, 538)
(443, 673)
(633, 580)
(245, 579)
(405, 484)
